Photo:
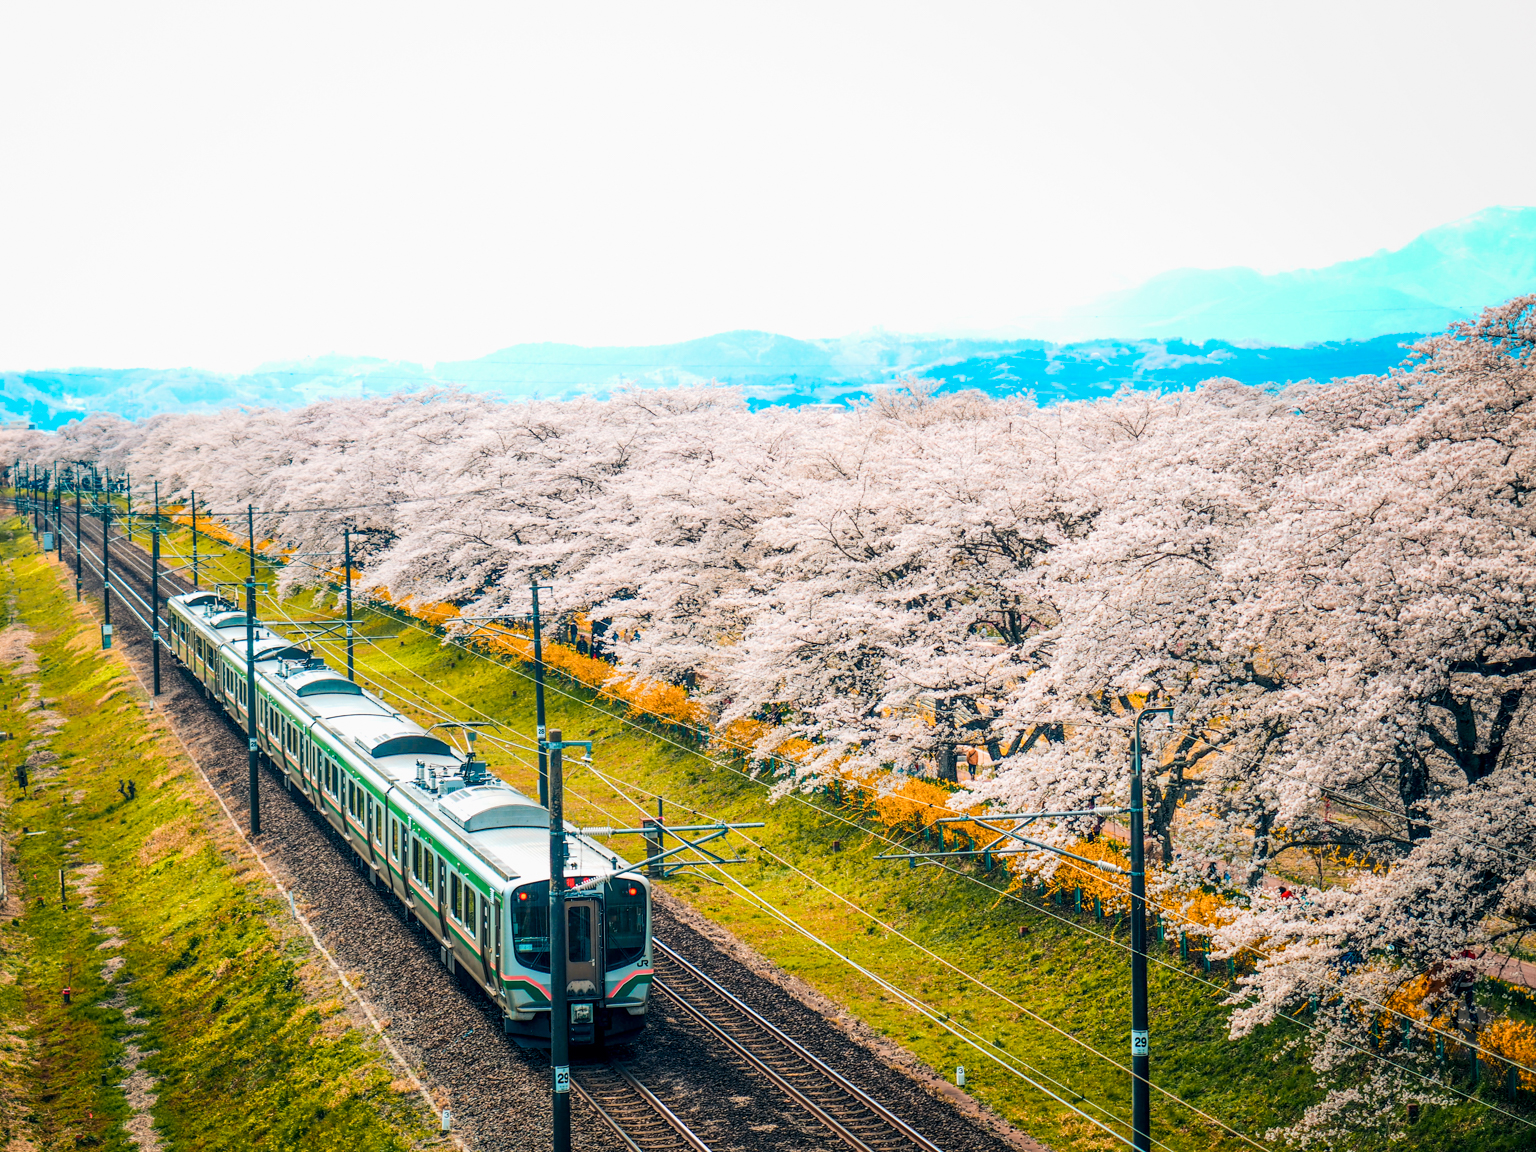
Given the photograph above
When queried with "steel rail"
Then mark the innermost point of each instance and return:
(665, 1130)
(823, 1109)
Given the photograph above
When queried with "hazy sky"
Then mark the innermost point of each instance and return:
(219, 184)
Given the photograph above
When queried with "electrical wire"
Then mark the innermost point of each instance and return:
(1006, 894)
(1008, 1000)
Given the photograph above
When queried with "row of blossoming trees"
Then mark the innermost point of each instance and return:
(1333, 585)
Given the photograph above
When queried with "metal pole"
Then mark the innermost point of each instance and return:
(77, 539)
(154, 590)
(1141, 1059)
(538, 697)
(106, 565)
(58, 513)
(250, 672)
(346, 559)
(194, 538)
(559, 1011)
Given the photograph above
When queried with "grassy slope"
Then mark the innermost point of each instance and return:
(1058, 971)
(251, 1049)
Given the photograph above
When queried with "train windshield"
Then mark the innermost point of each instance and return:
(624, 921)
(624, 913)
(530, 926)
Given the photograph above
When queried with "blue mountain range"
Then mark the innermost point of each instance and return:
(1447, 274)
(1174, 331)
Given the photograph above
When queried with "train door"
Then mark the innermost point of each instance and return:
(584, 966)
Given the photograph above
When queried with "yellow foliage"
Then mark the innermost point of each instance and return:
(742, 735)
(912, 802)
(667, 702)
(1514, 1040)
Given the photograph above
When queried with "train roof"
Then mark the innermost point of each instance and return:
(505, 828)
(315, 678)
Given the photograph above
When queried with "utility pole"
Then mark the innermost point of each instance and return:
(1141, 1058)
(250, 672)
(538, 697)
(154, 590)
(559, 1010)
(58, 513)
(346, 553)
(194, 538)
(106, 574)
(77, 539)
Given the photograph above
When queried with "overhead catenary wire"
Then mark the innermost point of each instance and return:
(1379, 1007)
(1009, 1000)
(874, 833)
(1424, 1025)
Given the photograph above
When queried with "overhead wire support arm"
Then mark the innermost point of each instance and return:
(654, 831)
(649, 828)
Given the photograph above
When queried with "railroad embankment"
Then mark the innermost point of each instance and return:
(153, 991)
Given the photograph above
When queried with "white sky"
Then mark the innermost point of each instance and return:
(219, 184)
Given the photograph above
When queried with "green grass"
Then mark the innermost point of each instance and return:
(1058, 972)
(248, 1042)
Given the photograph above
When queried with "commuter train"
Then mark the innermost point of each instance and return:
(467, 854)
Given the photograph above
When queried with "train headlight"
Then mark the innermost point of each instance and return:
(581, 1013)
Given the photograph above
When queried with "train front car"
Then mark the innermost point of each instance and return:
(475, 869)
(608, 940)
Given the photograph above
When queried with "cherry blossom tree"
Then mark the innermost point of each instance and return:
(1331, 584)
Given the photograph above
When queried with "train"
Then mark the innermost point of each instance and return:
(465, 853)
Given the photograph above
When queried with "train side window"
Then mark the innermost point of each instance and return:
(453, 896)
(394, 839)
(378, 826)
(442, 879)
(416, 858)
(470, 919)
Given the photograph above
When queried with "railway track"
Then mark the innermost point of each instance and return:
(624, 1105)
(850, 1113)
(633, 1111)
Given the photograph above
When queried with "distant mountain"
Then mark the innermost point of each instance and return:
(1447, 274)
(50, 399)
(1173, 331)
(769, 369)
(755, 359)
(1101, 367)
